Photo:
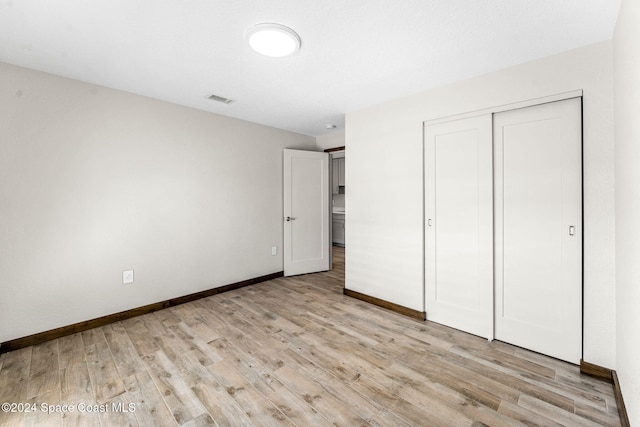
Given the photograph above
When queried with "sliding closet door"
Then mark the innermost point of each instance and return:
(538, 228)
(459, 225)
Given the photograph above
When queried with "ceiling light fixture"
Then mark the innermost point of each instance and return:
(273, 40)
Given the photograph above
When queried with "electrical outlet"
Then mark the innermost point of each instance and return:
(274, 250)
(127, 277)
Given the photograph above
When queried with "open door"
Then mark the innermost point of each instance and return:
(307, 233)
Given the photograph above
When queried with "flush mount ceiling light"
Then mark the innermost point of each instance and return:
(273, 40)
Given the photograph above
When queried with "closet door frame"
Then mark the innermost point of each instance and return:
(491, 110)
(506, 107)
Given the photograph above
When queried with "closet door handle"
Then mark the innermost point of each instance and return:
(572, 230)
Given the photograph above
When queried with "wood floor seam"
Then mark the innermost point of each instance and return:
(295, 351)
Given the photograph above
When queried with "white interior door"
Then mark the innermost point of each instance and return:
(459, 224)
(307, 233)
(538, 232)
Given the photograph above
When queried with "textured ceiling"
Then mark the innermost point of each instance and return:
(355, 53)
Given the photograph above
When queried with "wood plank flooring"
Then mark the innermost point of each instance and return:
(293, 352)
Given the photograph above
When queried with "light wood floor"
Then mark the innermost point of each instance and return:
(294, 351)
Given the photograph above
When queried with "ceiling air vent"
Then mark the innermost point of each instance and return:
(221, 99)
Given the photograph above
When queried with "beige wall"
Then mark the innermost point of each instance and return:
(385, 197)
(626, 47)
(94, 181)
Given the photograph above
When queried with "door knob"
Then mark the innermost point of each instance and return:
(290, 218)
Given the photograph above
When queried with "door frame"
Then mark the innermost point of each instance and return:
(494, 110)
(506, 107)
(334, 153)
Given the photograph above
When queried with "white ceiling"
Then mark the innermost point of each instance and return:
(355, 53)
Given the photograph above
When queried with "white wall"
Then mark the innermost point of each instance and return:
(385, 197)
(94, 181)
(626, 45)
(332, 140)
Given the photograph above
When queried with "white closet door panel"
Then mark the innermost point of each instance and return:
(532, 222)
(459, 229)
(538, 185)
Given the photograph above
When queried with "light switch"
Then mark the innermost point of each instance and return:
(127, 277)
